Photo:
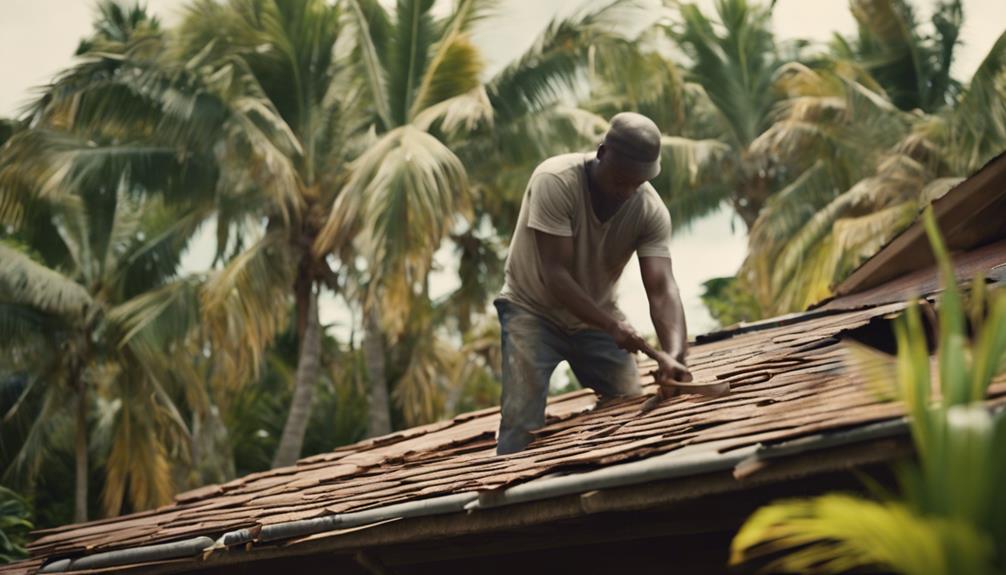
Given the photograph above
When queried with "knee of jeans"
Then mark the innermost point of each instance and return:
(621, 385)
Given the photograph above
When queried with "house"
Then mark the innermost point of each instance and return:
(601, 489)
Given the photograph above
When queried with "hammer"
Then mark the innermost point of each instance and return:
(671, 389)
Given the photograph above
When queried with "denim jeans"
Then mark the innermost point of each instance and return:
(532, 348)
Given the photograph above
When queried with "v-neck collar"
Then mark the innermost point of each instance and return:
(590, 201)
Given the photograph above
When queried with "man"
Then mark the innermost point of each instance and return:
(581, 218)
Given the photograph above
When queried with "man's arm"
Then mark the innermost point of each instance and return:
(667, 313)
(556, 254)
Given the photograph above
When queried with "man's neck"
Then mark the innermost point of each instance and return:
(603, 206)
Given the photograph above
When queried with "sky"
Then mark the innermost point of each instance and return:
(38, 37)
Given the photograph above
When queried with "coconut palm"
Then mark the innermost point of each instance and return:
(91, 309)
(842, 139)
(912, 63)
(949, 517)
(733, 58)
(861, 169)
(288, 62)
(91, 314)
(364, 160)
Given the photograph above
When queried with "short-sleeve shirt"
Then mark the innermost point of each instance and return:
(557, 202)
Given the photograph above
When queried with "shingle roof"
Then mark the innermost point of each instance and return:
(787, 382)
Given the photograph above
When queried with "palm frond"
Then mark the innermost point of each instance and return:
(152, 256)
(791, 208)
(408, 55)
(241, 304)
(803, 283)
(978, 122)
(551, 67)
(137, 465)
(373, 28)
(734, 60)
(914, 67)
(126, 220)
(25, 327)
(690, 179)
(53, 417)
(464, 112)
(456, 63)
(23, 280)
(433, 365)
(837, 533)
(399, 192)
(166, 314)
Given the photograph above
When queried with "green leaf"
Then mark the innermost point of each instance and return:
(23, 280)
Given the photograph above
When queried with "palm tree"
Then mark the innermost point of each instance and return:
(88, 312)
(125, 158)
(82, 253)
(861, 169)
(287, 60)
(911, 64)
(733, 59)
(949, 518)
(853, 188)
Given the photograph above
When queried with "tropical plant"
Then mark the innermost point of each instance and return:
(100, 196)
(858, 169)
(911, 62)
(949, 517)
(95, 323)
(15, 523)
(858, 183)
(733, 58)
(254, 418)
(116, 23)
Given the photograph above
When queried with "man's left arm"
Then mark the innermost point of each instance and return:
(666, 311)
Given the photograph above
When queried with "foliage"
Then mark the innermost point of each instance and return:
(15, 522)
(727, 303)
(859, 168)
(96, 325)
(910, 61)
(733, 57)
(949, 518)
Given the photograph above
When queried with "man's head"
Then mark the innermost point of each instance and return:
(628, 156)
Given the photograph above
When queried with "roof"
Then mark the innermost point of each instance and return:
(791, 393)
(788, 382)
(969, 216)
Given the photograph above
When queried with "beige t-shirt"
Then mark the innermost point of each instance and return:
(557, 202)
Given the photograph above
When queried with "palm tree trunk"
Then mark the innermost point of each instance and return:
(379, 411)
(750, 200)
(308, 365)
(80, 453)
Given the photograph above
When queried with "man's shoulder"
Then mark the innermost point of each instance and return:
(563, 166)
(652, 202)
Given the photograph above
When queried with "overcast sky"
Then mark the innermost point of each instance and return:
(38, 37)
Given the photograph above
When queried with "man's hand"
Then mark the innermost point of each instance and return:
(670, 370)
(625, 337)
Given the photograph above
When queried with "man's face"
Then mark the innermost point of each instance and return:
(615, 179)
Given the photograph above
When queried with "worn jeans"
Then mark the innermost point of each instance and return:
(532, 348)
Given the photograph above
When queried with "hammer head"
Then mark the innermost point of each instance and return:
(668, 390)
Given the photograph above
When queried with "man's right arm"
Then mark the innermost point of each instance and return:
(556, 254)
